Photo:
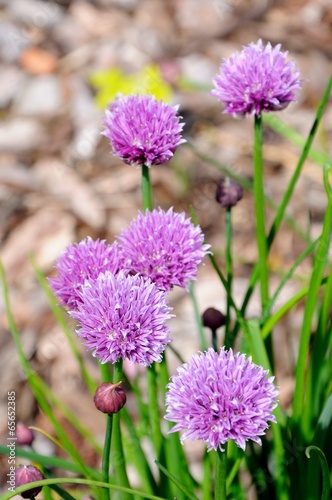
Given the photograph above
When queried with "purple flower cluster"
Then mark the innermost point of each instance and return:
(123, 317)
(79, 262)
(257, 79)
(118, 292)
(221, 396)
(142, 130)
(164, 246)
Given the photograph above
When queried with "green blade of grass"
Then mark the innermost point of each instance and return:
(325, 471)
(319, 157)
(299, 166)
(35, 384)
(59, 316)
(87, 482)
(48, 461)
(323, 424)
(174, 480)
(310, 306)
(273, 320)
(281, 209)
(260, 356)
(320, 368)
(248, 186)
(137, 456)
(72, 418)
(286, 277)
(175, 457)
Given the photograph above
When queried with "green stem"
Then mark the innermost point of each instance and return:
(285, 279)
(105, 372)
(146, 189)
(273, 320)
(175, 457)
(59, 463)
(249, 187)
(325, 471)
(282, 208)
(215, 340)
(118, 458)
(259, 211)
(303, 157)
(106, 454)
(310, 306)
(106, 376)
(154, 414)
(94, 484)
(229, 273)
(221, 475)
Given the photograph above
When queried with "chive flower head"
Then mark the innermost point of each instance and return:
(143, 130)
(257, 79)
(220, 396)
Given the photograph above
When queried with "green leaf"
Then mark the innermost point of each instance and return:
(48, 461)
(172, 478)
(59, 316)
(325, 471)
(88, 482)
(323, 423)
(321, 259)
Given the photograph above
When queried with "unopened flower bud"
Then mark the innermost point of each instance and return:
(214, 319)
(28, 474)
(24, 435)
(110, 398)
(228, 192)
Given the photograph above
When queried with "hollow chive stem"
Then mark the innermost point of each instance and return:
(106, 455)
(146, 189)
(259, 211)
(106, 376)
(220, 492)
(117, 448)
(214, 340)
(229, 274)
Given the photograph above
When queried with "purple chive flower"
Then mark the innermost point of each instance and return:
(257, 79)
(164, 246)
(123, 317)
(221, 396)
(142, 130)
(81, 261)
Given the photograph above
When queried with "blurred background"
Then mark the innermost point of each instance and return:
(61, 63)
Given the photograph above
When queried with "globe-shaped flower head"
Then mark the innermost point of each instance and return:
(221, 396)
(257, 79)
(123, 317)
(142, 130)
(165, 246)
(79, 262)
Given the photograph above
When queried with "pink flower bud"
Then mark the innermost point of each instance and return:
(28, 474)
(24, 435)
(109, 398)
(228, 193)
